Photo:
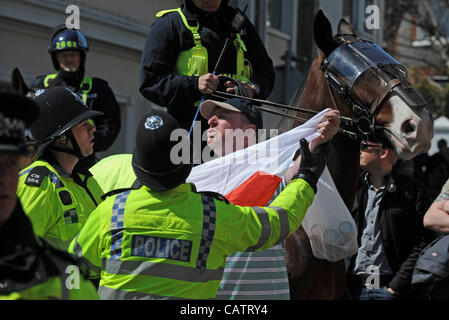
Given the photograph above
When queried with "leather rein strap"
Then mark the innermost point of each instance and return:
(387, 89)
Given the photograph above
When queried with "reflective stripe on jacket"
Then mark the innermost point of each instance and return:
(173, 244)
(57, 206)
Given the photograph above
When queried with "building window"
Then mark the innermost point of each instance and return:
(360, 16)
(274, 19)
(347, 10)
(441, 12)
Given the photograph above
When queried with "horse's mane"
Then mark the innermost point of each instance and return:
(287, 123)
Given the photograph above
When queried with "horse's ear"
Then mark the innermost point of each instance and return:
(322, 32)
(18, 83)
(345, 27)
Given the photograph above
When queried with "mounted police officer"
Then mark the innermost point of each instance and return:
(57, 197)
(29, 268)
(182, 50)
(165, 240)
(68, 49)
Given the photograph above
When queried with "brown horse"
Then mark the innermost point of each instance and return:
(397, 114)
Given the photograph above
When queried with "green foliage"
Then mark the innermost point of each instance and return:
(436, 95)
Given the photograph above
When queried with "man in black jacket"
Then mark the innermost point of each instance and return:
(389, 214)
(179, 59)
(68, 49)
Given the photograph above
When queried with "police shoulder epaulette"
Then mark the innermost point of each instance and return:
(215, 195)
(114, 192)
(136, 185)
(37, 175)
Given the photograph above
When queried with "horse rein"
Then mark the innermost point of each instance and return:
(224, 95)
(345, 120)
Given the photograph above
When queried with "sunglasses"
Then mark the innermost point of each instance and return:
(366, 146)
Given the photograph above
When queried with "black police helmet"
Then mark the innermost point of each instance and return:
(17, 112)
(67, 39)
(151, 159)
(60, 110)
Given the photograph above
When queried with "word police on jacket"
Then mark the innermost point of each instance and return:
(155, 247)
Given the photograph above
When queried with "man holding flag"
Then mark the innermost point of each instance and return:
(261, 274)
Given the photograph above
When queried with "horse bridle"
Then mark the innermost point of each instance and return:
(363, 126)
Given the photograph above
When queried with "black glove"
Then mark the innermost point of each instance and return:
(238, 87)
(312, 164)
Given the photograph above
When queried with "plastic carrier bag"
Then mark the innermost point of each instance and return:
(329, 225)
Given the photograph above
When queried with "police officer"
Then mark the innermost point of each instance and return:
(68, 49)
(29, 268)
(165, 240)
(181, 54)
(57, 198)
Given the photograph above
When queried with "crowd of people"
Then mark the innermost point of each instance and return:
(130, 224)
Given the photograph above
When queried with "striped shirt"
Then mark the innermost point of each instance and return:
(260, 275)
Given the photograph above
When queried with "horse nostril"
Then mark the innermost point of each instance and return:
(408, 127)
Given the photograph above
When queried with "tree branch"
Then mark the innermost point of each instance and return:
(433, 18)
(414, 58)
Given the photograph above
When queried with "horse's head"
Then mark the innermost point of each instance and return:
(375, 88)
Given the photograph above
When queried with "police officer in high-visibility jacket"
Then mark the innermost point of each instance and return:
(29, 268)
(57, 197)
(184, 48)
(68, 50)
(165, 240)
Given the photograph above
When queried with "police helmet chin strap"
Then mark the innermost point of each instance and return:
(76, 151)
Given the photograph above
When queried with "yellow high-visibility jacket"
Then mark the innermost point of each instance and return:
(173, 244)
